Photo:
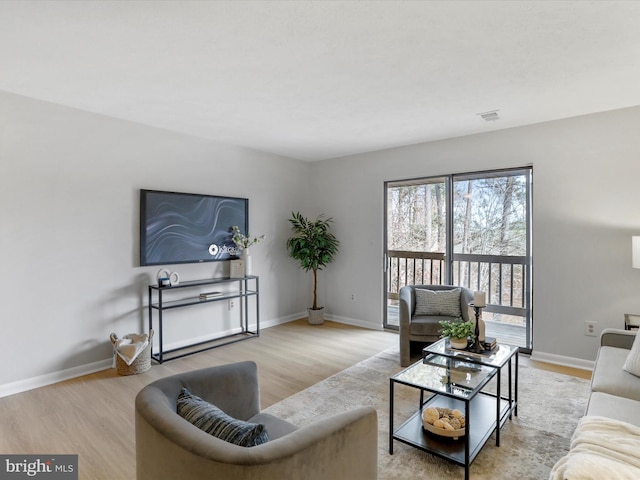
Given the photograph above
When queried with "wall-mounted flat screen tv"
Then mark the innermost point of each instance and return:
(188, 227)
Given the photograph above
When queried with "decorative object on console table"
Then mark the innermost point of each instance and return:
(167, 278)
(245, 256)
(243, 242)
(163, 273)
(163, 278)
(236, 269)
(209, 295)
(314, 247)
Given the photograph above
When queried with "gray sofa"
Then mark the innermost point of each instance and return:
(614, 392)
(424, 328)
(606, 442)
(169, 447)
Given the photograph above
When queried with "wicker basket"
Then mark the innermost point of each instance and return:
(142, 363)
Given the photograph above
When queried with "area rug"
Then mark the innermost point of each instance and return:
(549, 407)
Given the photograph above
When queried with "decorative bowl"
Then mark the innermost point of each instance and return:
(454, 434)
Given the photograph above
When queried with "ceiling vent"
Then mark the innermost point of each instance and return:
(491, 116)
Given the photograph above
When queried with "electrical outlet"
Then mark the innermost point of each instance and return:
(231, 304)
(590, 329)
(353, 296)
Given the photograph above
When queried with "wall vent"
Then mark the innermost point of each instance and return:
(491, 116)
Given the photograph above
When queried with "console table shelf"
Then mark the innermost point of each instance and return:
(243, 293)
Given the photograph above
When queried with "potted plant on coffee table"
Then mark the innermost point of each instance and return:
(458, 332)
(314, 247)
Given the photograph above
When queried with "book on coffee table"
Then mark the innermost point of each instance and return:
(489, 343)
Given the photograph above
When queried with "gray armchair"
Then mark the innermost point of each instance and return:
(169, 447)
(424, 328)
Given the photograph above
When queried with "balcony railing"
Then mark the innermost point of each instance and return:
(502, 277)
(413, 268)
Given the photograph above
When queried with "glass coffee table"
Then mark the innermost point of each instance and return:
(496, 358)
(455, 384)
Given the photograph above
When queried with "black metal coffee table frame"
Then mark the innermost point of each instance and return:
(485, 412)
(496, 358)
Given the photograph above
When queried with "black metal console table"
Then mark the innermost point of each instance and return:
(243, 293)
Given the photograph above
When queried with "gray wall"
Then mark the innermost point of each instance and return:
(69, 183)
(586, 207)
(69, 195)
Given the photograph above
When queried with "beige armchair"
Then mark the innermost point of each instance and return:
(168, 447)
(418, 327)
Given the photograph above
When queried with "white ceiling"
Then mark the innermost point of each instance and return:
(323, 79)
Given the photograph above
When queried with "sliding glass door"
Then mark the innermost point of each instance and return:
(467, 229)
(416, 237)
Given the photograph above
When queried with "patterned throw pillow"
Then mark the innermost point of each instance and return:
(438, 302)
(632, 364)
(214, 421)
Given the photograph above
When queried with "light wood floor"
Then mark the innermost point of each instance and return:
(93, 416)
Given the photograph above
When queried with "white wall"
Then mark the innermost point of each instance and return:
(69, 203)
(585, 210)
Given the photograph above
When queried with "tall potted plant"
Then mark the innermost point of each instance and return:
(314, 247)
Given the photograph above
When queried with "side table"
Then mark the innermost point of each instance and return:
(496, 358)
(456, 385)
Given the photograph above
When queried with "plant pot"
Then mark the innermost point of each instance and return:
(459, 343)
(316, 317)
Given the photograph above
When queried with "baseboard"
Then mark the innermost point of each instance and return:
(81, 370)
(352, 321)
(283, 320)
(54, 377)
(562, 360)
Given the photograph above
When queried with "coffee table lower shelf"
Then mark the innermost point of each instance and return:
(482, 412)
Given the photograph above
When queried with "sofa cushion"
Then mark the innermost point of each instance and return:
(632, 363)
(438, 302)
(609, 376)
(211, 419)
(619, 408)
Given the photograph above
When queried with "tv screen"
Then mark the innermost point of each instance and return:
(188, 227)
